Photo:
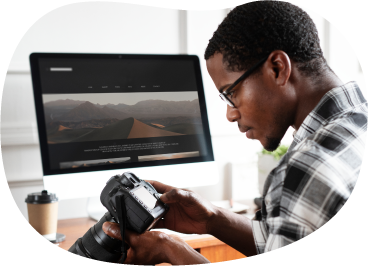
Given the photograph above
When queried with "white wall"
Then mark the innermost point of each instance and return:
(344, 37)
(2, 178)
(124, 28)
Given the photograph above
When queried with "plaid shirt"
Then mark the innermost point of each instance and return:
(314, 179)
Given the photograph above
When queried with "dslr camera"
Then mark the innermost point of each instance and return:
(133, 204)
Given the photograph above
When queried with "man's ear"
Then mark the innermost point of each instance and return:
(280, 65)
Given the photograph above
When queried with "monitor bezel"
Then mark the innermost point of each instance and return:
(37, 92)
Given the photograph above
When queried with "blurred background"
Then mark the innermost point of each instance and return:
(126, 28)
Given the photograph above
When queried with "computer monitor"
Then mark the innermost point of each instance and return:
(103, 114)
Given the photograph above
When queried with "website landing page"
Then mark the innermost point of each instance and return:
(106, 112)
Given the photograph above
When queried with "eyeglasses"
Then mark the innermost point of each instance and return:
(223, 95)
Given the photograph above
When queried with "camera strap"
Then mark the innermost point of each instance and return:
(121, 211)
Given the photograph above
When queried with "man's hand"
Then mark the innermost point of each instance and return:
(155, 247)
(188, 212)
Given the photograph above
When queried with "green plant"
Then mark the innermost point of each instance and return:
(278, 153)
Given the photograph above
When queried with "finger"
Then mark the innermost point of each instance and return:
(160, 187)
(174, 195)
(112, 230)
(131, 237)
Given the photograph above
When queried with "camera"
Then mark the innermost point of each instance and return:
(131, 202)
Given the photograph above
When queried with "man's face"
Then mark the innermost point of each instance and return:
(262, 109)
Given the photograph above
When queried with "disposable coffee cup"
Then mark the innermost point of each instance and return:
(42, 213)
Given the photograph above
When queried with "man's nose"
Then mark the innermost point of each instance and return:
(232, 114)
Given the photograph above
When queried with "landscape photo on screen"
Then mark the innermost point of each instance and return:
(88, 163)
(112, 116)
(169, 156)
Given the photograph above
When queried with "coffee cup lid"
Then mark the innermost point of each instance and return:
(41, 197)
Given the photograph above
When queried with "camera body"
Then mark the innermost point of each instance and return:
(143, 208)
(142, 202)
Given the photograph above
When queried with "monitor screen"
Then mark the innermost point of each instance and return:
(110, 111)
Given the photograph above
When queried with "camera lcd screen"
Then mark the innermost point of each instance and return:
(146, 197)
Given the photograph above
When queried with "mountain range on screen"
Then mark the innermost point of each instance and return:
(72, 110)
(78, 121)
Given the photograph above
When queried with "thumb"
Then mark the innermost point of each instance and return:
(174, 195)
(112, 230)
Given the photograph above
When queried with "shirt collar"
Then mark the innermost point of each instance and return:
(335, 102)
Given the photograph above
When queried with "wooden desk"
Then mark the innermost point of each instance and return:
(210, 247)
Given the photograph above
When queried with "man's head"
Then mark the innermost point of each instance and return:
(265, 102)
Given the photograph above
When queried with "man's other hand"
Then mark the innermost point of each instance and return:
(188, 212)
(155, 247)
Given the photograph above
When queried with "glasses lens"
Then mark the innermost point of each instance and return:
(226, 100)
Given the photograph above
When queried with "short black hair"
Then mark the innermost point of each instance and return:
(252, 31)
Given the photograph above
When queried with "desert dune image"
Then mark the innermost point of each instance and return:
(113, 116)
(141, 130)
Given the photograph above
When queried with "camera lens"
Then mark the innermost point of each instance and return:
(95, 244)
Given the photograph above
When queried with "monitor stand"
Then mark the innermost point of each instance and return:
(95, 209)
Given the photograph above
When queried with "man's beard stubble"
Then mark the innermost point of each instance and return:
(272, 144)
(279, 128)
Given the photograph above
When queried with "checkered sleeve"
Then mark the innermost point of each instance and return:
(317, 175)
(260, 232)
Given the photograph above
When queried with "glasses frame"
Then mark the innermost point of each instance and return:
(223, 95)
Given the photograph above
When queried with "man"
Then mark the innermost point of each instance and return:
(265, 60)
